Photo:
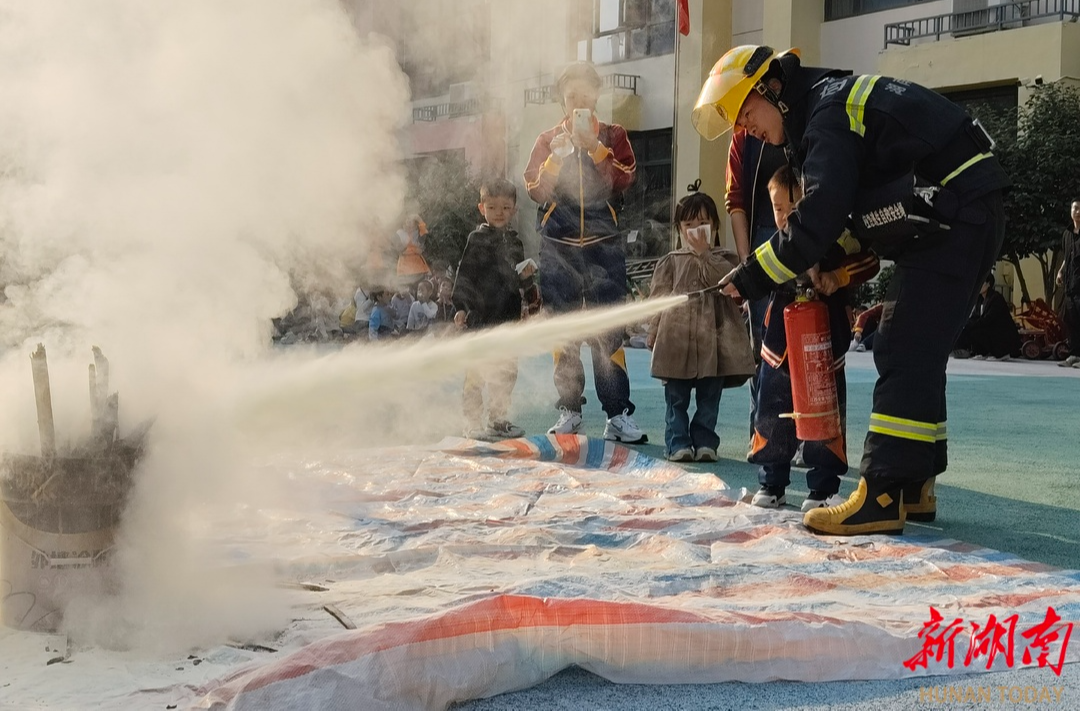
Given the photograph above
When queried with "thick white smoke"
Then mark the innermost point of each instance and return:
(170, 173)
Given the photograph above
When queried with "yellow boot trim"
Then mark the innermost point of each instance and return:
(830, 521)
(926, 507)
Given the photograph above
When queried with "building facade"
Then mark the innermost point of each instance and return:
(482, 71)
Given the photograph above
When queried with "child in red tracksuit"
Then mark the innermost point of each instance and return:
(575, 173)
(774, 442)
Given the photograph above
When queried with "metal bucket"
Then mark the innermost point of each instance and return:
(58, 520)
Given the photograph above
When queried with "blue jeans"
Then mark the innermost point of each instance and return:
(682, 432)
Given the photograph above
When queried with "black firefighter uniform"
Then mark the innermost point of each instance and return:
(917, 178)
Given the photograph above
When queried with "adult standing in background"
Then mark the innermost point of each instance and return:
(1068, 276)
(575, 174)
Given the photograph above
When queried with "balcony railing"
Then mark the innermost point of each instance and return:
(624, 82)
(450, 110)
(991, 19)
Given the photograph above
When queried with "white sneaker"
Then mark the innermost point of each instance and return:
(861, 348)
(568, 423)
(622, 428)
(978, 357)
(1069, 362)
(476, 432)
(705, 454)
(817, 500)
(681, 455)
(769, 497)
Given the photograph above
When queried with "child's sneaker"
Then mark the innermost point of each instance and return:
(820, 500)
(504, 429)
(681, 455)
(622, 428)
(769, 497)
(705, 454)
(568, 423)
(474, 431)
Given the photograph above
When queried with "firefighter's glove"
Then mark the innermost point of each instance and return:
(751, 280)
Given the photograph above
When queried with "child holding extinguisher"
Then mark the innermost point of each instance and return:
(699, 347)
(774, 441)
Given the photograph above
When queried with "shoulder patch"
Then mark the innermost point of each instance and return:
(833, 86)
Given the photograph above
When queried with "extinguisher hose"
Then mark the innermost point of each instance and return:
(706, 290)
(724, 281)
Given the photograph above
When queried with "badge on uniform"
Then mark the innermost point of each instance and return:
(889, 215)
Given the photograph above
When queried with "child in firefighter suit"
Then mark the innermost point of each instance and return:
(774, 442)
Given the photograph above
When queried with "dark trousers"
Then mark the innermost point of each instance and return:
(573, 278)
(935, 287)
(1070, 308)
(498, 381)
(987, 340)
(775, 442)
(757, 309)
(682, 432)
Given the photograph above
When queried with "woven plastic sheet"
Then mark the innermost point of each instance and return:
(475, 569)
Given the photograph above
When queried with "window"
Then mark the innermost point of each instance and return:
(995, 105)
(840, 9)
(1001, 98)
(647, 204)
(605, 31)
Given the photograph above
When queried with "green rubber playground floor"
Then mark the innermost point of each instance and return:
(1013, 482)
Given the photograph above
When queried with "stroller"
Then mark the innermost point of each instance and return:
(1042, 332)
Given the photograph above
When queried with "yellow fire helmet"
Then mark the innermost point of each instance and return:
(730, 82)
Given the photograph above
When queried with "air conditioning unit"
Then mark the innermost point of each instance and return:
(460, 93)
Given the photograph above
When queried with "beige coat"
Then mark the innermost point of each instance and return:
(707, 336)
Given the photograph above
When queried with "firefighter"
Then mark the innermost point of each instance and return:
(918, 181)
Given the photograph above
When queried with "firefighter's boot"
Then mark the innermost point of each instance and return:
(920, 503)
(869, 509)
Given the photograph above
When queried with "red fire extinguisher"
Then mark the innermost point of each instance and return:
(810, 360)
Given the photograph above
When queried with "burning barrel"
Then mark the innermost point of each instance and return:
(59, 512)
